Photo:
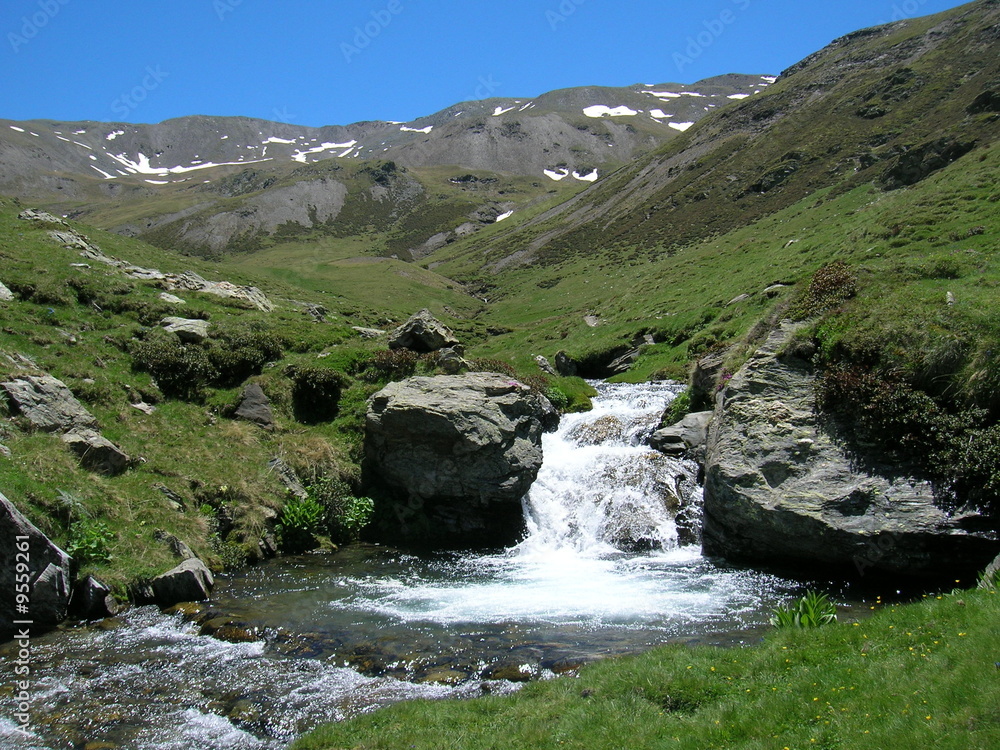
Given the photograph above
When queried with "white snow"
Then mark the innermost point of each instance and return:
(425, 131)
(225, 138)
(692, 93)
(115, 134)
(658, 114)
(663, 94)
(158, 182)
(507, 215)
(92, 157)
(345, 153)
(769, 79)
(19, 130)
(79, 132)
(526, 106)
(287, 142)
(64, 139)
(499, 111)
(591, 177)
(34, 134)
(300, 156)
(103, 173)
(681, 126)
(142, 165)
(84, 145)
(553, 175)
(599, 110)
(738, 96)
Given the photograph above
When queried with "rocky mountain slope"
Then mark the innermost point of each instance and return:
(157, 175)
(887, 105)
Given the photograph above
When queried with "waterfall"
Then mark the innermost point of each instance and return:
(601, 491)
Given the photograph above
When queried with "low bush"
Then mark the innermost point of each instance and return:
(180, 370)
(315, 392)
(239, 352)
(301, 520)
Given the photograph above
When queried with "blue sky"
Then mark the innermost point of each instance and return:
(328, 62)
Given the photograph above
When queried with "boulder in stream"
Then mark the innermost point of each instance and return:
(191, 581)
(450, 457)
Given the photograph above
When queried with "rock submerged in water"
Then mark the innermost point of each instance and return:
(780, 489)
(450, 457)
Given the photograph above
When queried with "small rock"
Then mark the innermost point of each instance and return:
(950, 298)
(92, 600)
(565, 365)
(255, 407)
(189, 331)
(774, 290)
(144, 407)
(368, 333)
(178, 547)
(422, 333)
(42, 217)
(592, 320)
(172, 299)
(737, 300)
(288, 477)
(451, 361)
(544, 365)
(96, 452)
(6, 295)
(191, 581)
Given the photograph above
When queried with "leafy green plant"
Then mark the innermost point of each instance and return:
(354, 514)
(811, 611)
(89, 542)
(678, 408)
(301, 520)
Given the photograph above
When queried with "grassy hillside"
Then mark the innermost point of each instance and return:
(97, 330)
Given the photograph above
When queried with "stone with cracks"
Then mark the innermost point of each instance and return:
(450, 457)
(422, 333)
(780, 488)
(255, 407)
(47, 403)
(190, 331)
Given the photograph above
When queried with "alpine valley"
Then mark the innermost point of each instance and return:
(227, 340)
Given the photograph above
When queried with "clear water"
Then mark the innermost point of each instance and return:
(609, 564)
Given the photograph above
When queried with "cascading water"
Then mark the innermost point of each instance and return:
(609, 564)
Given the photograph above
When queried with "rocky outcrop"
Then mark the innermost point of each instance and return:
(6, 295)
(35, 574)
(47, 403)
(51, 407)
(450, 457)
(422, 333)
(191, 581)
(779, 487)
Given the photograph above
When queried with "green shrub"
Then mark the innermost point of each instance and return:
(831, 286)
(389, 365)
(558, 397)
(678, 408)
(89, 542)
(240, 352)
(811, 611)
(180, 370)
(315, 392)
(345, 514)
(301, 520)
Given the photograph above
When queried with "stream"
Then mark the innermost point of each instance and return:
(610, 564)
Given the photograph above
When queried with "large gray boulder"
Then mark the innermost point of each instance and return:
(780, 489)
(450, 457)
(255, 407)
(47, 403)
(188, 330)
(685, 438)
(422, 333)
(35, 574)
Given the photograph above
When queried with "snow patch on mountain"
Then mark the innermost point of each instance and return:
(556, 175)
(681, 126)
(507, 215)
(425, 131)
(300, 156)
(589, 177)
(599, 110)
(500, 110)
